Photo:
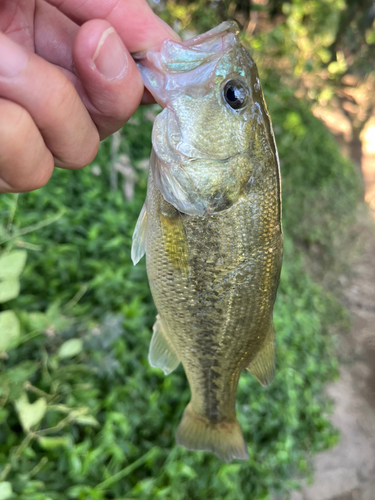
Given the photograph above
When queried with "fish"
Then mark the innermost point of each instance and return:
(211, 229)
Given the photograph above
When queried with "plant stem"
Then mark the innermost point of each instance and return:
(128, 470)
(38, 467)
(34, 227)
(12, 213)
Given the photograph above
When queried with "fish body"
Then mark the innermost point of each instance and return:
(211, 229)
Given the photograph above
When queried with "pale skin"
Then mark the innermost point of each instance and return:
(67, 80)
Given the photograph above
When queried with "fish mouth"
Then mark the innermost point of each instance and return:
(209, 41)
(175, 66)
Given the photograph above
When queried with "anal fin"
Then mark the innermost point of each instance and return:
(162, 354)
(139, 237)
(263, 365)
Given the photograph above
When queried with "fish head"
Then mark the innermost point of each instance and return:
(214, 124)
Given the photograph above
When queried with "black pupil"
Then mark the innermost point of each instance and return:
(235, 95)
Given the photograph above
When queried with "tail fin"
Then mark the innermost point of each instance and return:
(224, 439)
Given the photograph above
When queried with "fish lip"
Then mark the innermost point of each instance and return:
(227, 26)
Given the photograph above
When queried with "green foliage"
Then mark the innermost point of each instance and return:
(322, 49)
(321, 39)
(11, 266)
(321, 189)
(82, 415)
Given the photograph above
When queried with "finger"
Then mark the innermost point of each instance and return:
(110, 84)
(134, 21)
(17, 21)
(52, 101)
(25, 162)
(54, 35)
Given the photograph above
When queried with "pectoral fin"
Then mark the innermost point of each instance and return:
(139, 237)
(263, 365)
(162, 354)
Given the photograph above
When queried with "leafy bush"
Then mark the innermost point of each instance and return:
(82, 415)
(321, 189)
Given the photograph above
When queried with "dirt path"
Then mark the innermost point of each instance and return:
(368, 163)
(347, 472)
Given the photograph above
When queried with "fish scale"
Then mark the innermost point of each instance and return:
(211, 231)
(214, 310)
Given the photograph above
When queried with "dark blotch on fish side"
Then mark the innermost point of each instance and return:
(219, 202)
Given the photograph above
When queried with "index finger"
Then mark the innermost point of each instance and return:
(134, 20)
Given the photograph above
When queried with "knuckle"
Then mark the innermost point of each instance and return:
(41, 175)
(62, 98)
(15, 127)
(117, 108)
(85, 153)
(38, 174)
(113, 110)
(91, 149)
(115, 103)
(80, 142)
(25, 163)
(28, 182)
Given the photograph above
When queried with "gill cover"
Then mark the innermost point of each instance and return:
(203, 139)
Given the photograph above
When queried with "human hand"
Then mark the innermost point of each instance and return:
(67, 80)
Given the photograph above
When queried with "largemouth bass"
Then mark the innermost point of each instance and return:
(211, 229)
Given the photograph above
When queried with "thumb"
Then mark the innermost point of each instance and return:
(110, 84)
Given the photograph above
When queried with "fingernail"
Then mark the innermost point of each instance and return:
(13, 57)
(110, 57)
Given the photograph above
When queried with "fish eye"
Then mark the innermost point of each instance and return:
(235, 94)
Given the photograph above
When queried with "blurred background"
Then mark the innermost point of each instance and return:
(82, 415)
